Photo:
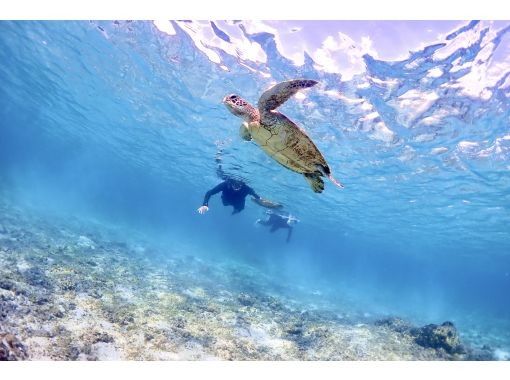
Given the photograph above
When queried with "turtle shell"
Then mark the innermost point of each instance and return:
(289, 145)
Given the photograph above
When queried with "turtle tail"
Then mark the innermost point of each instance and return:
(327, 172)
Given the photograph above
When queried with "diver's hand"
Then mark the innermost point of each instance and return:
(203, 209)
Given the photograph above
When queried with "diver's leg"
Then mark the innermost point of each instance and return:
(289, 234)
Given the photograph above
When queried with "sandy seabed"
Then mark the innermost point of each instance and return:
(73, 290)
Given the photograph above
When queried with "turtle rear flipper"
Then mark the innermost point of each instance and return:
(280, 93)
(315, 181)
(327, 172)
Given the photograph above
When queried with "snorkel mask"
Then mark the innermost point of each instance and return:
(236, 185)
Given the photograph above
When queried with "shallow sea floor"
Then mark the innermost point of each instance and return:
(75, 290)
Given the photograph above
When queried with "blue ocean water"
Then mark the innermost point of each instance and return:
(122, 122)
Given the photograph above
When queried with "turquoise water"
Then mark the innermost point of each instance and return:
(121, 122)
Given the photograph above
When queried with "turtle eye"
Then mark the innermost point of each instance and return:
(232, 97)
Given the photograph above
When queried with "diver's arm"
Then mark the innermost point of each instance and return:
(211, 192)
(261, 201)
(205, 205)
(253, 193)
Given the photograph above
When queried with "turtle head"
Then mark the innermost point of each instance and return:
(240, 107)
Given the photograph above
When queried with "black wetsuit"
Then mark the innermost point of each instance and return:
(231, 197)
(276, 221)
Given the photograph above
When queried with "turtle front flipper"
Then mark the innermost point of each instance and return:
(244, 132)
(315, 181)
(280, 93)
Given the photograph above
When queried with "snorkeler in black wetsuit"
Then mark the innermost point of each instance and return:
(277, 221)
(233, 192)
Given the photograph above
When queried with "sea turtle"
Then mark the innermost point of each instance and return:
(279, 136)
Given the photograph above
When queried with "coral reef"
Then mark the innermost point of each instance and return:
(444, 337)
(76, 290)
